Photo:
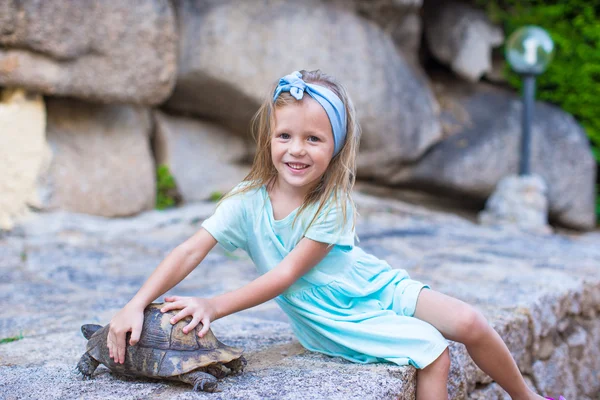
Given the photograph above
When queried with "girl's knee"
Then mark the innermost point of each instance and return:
(472, 325)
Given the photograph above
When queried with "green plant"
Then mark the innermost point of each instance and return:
(215, 196)
(572, 80)
(12, 339)
(165, 187)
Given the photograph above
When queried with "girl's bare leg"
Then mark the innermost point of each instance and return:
(432, 380)
(462, 323)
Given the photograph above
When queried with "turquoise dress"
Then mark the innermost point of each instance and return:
(352, 304)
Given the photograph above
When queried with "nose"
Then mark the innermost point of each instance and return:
(296, 148)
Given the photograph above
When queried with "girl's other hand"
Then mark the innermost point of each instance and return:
(201, 310)
(129, 319)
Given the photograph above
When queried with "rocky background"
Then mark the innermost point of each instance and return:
(97, 94)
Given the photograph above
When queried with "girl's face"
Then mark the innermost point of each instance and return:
(302, 145)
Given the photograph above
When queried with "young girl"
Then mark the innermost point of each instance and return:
(294, 216)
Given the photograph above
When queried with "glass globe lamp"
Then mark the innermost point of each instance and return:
(529, 50)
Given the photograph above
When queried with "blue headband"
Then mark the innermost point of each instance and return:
(332, 104)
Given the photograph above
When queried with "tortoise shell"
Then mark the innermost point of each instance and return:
(163, 349)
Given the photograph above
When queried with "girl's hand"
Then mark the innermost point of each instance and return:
(201, 310)
(129, 319)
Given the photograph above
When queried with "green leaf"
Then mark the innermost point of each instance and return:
(12, 339)
(215, 196)
(165, 188)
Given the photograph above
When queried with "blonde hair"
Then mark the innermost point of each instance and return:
(337, 181)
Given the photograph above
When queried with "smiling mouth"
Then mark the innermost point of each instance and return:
(297, 166)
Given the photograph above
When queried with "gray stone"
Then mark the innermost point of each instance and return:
(231, 53)
(61, 270)
(520, 201)
(462, 37)
(590, 299)
(584, 355)
(399, 18)
(545, 313)
(554, 376)
(484, 147)
(546, 347)
(203, 157)
(107, 51)
(102, 163)
(513, 327)
(493, 391)
(458, 386)
(56, 222)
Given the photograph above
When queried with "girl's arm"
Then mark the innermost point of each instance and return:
(176, 266)
(299, 261)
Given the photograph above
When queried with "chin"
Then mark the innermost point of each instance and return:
(298, 183)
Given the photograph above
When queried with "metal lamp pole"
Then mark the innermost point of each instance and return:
(528, 105)
(529, 50)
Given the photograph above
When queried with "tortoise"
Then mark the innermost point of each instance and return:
(165, 352)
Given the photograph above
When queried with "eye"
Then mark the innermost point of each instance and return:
(284, 135)
(313, 139)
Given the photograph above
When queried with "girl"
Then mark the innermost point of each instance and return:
(294, 216)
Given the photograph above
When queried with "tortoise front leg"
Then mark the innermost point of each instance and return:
(237, 365)
(200, 380)
(87, 365)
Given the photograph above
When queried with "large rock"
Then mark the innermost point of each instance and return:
(518, 200)
(102, 162)
(202, 157)
(584, 356)
(232, 52)
(555, 375)
(399, 18)
(23, 152)
(483, 147)
(109, 51)
(462, 37)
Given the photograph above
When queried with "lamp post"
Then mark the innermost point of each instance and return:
(528, 51)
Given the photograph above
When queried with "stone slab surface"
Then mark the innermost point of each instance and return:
(60, 270)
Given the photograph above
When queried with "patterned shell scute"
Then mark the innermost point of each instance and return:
(191, 340)
(183, 341)
(157, 330)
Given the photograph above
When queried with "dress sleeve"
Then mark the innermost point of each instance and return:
(329, 227)
(227, 224)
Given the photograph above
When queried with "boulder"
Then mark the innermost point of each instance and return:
(555, 375)
(484, 133)
(584, 355)
(519, 201)
(107, 51)
(400, 19)
(461, 37)
(23, 152)
(232, 52)
(202, 156)
(102, 162)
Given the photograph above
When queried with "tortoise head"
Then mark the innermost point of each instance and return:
(89, 329)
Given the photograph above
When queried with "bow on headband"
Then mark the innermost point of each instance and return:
(331, 103)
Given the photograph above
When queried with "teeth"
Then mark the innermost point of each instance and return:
(298, 166)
